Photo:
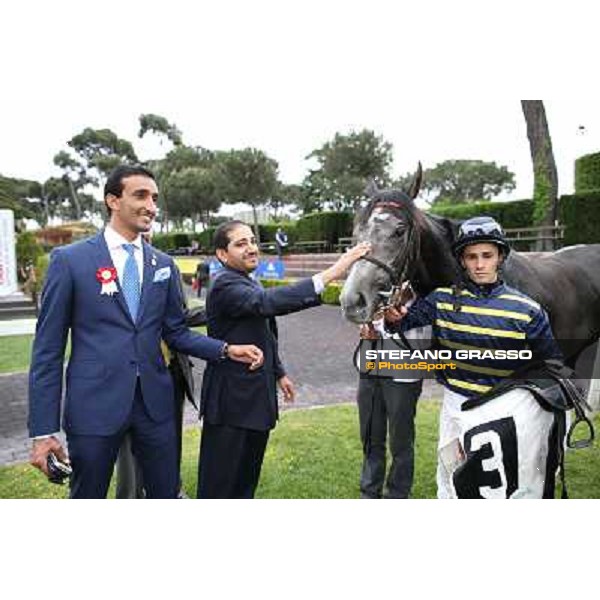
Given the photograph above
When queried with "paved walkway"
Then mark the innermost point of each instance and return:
(316, 347)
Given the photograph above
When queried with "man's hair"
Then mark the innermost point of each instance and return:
(221, 236)
(114, 183)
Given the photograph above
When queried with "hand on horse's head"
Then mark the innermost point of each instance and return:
(345, 261)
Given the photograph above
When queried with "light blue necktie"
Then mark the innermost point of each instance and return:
(131, 282)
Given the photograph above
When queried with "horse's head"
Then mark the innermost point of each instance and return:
(390, 221)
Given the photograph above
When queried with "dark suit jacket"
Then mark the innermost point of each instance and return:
(239, 310)
(108, 349)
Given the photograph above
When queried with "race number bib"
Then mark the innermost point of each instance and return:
(509, 447)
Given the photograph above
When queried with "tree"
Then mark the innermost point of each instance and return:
(95, 153)
(545, 177)
(346, 164)
(179, 159)
(16, 195)
(160, 126)
(74, 177)
(250, 176)
(463, 181)
(101, 150)
(284, 195)
(193, 192)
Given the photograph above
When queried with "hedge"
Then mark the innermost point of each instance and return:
(518, 213)
(325, 226)
(268, 230)
(587, 173)
(580, 213)
(28, 250)
(330, 295)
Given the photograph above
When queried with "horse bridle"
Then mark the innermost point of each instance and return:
(398, 276)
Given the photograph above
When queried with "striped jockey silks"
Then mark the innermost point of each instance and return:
(487, 317)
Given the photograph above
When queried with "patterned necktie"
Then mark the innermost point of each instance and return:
(131, 282)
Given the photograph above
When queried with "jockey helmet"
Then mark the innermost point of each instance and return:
(480, 230)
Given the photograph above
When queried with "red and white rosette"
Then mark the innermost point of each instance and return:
(107, 276)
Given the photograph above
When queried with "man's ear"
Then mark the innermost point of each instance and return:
(221, 255)
(112, 201)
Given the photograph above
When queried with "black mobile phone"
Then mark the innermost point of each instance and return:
(58, 471)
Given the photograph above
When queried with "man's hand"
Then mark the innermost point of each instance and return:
(287, 387)
(367, 332)
(246, 353)
(393, 315)
(344, 262)
(41, 449)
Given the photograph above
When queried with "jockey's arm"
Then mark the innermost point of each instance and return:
(541, 339)
(421, 313)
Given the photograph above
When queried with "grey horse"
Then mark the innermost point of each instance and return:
(409, 244)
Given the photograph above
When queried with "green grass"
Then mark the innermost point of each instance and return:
(15, 353)
(316, 454)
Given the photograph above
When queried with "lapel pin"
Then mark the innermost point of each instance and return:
(153, 260)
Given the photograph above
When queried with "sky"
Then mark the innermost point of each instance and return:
(439, 82)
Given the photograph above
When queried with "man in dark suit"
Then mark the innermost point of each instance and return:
(117, 297)
(239, 407)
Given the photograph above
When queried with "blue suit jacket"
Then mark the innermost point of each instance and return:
(239, 309)
(108, 350)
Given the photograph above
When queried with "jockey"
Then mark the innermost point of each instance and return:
(479, 313)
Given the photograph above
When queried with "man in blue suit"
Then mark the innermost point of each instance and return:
(239, 407)
(117, 296)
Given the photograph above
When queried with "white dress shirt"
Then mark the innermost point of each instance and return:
(118, 254)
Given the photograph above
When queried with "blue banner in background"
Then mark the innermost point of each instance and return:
(214, 266)
(270, 268)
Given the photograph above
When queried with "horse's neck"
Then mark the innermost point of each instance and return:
(436, 266)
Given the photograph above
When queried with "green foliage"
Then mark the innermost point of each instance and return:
(268, 230)
(580, 214)
(587, 173)
(160, 126)
(462, 181)
(181, 240)
(192, 192)
(326, 226)
(541, 196)
(518, 213)
(41, 268)
(102, 149)
(345, 165)
(15, 195)
(271, 283)
(204, 238)
(331, 294)
(249, 175)
(28, 250)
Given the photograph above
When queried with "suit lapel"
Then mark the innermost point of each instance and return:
(102, 259)
(149, 268)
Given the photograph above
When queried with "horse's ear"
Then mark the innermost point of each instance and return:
(371, 190)
(415, 186)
